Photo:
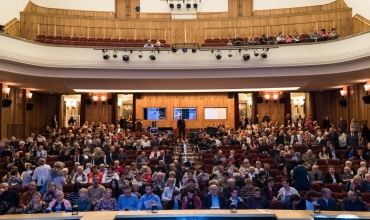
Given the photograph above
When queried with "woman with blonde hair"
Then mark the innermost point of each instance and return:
(107, 203)
(36, 204)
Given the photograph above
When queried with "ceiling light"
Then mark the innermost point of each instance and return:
(275, 97)
(246, 56)
(188, 5)
(105, 55)
(256, 54)
(172, 5)
(178, 6)
(126, 58)
(194, 50)
(342, 93)
(114, 54)
(140, 54)
(30, 95)
(230, 54)
(367, 87)
(184, 50)
(267, 97)
(195, 5)
(264, 54)
(174, 49)
(137, 8)
(95, 98)
(152, 55)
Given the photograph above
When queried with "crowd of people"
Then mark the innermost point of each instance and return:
(260, 165)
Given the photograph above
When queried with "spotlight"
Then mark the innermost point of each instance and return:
(218, 55)
(188, 5)
(126, 58)
(195, 5)
(256, 54)
(246, 56)
(264, 54)
(172, 5)
(230, 54)
(194, 50)
(115, 54)
(184, 50)
(137, 8)
(152, 56)
(174, 49)
(140, 54)
(105, 55)
(178, 6)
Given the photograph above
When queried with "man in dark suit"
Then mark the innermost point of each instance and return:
(123, 123)
(268, 171)
(266, 118)
(104, 159)
(291, 204)
(333, 138)
(213, 200)
(93, 160)
(112, 153)
(54, 122)
(315, 176)
(333, 153)
(365, 133)
(78, 158)
(280, 161)
(352, 139)
(307, 201)
(326, 202)
(172, 167)
(181, 126)
(167, 159)
(332, 177)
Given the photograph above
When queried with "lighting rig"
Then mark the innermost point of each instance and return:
(244, 52)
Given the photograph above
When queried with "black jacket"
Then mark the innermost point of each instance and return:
(11, 197)
(329, 179)
(266, 192)
(207, 202)
(171, 204)
(331, 206)
(181, 124)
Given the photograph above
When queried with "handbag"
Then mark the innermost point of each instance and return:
(43, 190)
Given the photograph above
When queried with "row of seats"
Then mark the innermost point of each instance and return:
(92, 39)
(221, 41)
(85, 43)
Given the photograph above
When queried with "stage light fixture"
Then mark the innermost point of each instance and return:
(172, 5)
(126, 58)
(188, 5)
(105, 55)
(218, 55)
(194, 50)
(184, 50)
(115, 54)
(137, 8)
(246, 56)
(264, 54)
(178, 6)
(230, 54)
(195, 5)
(174, 49)
(152, 56)
(140, 54)
(256, 54)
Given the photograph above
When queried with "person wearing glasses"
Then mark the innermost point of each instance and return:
(59, 204)
(353, 203)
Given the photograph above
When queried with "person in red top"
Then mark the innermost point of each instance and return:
(95, 171)
(117, 168)
(146, 176)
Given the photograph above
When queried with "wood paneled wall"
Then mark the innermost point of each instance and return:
(276, 111)
(98, 112)
(31, 7)
(198, 100)
(13, 27)
(240, 8)
(327, 103)
(17, 121)
(331, 6)
(174, 30)
(126, 8)
(360, 24)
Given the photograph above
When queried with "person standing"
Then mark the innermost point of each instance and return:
(123, 123)
(54, 122)
(181, 126)
(300, 177)
(255, 120)
(139, 125)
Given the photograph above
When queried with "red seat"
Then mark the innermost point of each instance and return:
(67, 38)
(322, 162)
(129, 161)
(83, 39)
(40, 40)
(133, 45)
(108, 44)
(131, 41)
(366, 197)
(208, 41)
(132, 156)
(49, 41)
(107, 40)
(139, 41)
(208, 161)
(115, 40)
(275, 204)
(99, 40)
(92, 43)
(84, 43)
(315, 187)
(125, 45)
(67, 42)
(75, 39)
(41, 36)
(75, 43)
(166, 45)
(50, 37)
(123, 40)
(334, 162)
(163, 41)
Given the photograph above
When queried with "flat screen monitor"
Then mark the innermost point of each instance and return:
(154, 113)
(217, 113)
(186, 113)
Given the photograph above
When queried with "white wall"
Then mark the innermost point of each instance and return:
(361, 7)
(159, 6)
(276, 4)
(10, 9)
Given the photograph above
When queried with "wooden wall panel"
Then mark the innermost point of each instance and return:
(360, 24)
(13, 27)
(198, 100)
(99, 112)
(13, 120)
(175, 30)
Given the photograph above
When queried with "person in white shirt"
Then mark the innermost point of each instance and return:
(145, 142)
(154, 154)
(41, 152)
(110, 175)
(167, 192)
(80, 176)
(41, 173)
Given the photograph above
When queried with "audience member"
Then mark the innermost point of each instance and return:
(332, 177)
(41, 173)
(95, 191)
(269, 191)
(191, 201)
(286, 191)
(309, 201)
(50, 193)
(175, 203)
(353, 203)
(315, 176)
(291, 203)
(300, 177)
(107, 203)
(36, 205)
(256, 201)
(149, 199)
(326, 202)
(59, 204)
(83, 202)
(213, 200)
(127, 201)
(73, 196)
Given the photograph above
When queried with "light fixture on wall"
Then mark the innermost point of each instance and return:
(30, 97)
(342, 93)
(250, 103)
(68, 104)
(267, 97)
(73, 103)
(7, 91)
(103, 99)
(275, 98)
(302, 102)
(95, 98)
(367, 87)
(296, 103)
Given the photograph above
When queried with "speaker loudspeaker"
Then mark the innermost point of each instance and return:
(139, 95)
(259, 100)
(7, 103)
(110, 101)
(343, 103)
(230, 95)
(29, 106)
(366, 99)
(88, 102)
(282, 100)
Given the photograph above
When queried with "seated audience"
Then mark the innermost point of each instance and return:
(309, 201)
(332, 177)
(269, 191)
(271, 39)
(116, 192)
(280, 39)
(296, 38)
(314, 37)
(191, 201)
(291, 203)
(202, 175)
(235, 199)
(286, 191)
(352, 203)
(147, 174)
(213, 200)
(261, 181)
(354, 184)
(288, 39)
(323, 35)
(149, 199)
(167, 192)
(50, 193)
(175, 202)
(315, 176)
(83, 202)
(95, 172)
(36, 205)
(74, 195)
(333, 34)
(256, 201)
(247, 190)
(365, 184)
(107, 203)
(59, 204)
(95, 191)
(149, 44)
(56, 176)
(191, 185)
(110, 175)
(263, 40)
(10, 197)
(127, 201)
(347, 176)
(80, 176)
(326, 202)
